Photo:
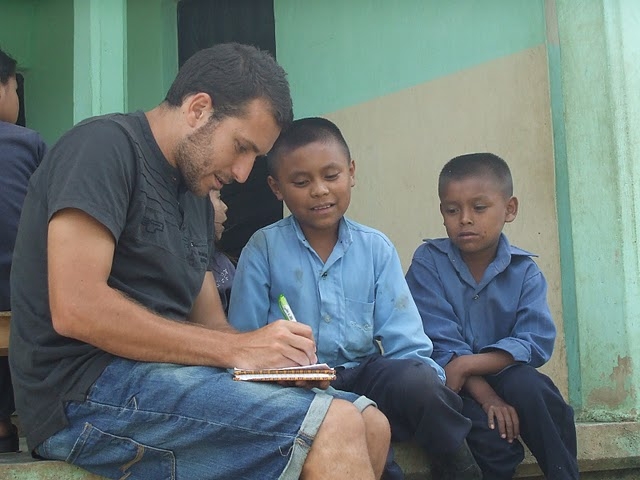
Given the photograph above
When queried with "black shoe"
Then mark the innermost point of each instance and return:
(459, 465)
(10, 443)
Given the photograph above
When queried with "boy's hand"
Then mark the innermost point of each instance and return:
(500, 412)
(457, 373)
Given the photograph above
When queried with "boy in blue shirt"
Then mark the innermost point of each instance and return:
(345, 281)
(483, 304)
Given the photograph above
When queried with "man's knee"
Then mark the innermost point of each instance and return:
(376, 423)
(344, 417)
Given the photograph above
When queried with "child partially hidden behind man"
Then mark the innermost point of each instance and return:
(483, 304)
(345, 281)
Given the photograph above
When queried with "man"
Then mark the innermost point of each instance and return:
(121, 342)
(21, 150)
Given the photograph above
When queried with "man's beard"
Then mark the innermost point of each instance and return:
(191, 156)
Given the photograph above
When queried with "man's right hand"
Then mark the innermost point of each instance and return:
(278, 344)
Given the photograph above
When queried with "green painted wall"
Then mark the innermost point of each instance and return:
(152, 53)
(341, 53)
(16, 31)
(39, 34)
(600, 77)
(563, 202)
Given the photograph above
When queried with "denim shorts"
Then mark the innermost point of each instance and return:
(161, 421)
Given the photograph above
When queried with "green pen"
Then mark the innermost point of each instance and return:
(286, 309)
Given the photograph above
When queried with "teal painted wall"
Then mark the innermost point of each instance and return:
(16, 31)
(600, 77)
(563, 202)
(39, 35)
(152, 53)
(341, 53)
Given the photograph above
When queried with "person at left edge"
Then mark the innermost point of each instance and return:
(21, 151)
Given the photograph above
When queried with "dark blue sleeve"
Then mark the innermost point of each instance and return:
(21, 151)
(439, 320)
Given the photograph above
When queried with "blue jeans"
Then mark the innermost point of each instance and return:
(163, 421)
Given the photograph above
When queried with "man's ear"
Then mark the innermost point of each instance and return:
(275, 187)
(352, 172)
(512, 210)
(198, 109)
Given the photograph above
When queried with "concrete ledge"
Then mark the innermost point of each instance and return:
(606, 451)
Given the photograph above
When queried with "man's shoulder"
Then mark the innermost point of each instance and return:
(112, 122)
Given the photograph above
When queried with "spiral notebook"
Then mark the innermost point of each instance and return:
(318, 372)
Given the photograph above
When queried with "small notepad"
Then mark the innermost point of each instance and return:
(317, 372)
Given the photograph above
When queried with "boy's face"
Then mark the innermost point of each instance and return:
(315, 181)
(219, 213)
(9, 103)
(475, 210)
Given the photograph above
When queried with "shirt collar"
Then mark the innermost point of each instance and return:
(345, 237)
(504, 254)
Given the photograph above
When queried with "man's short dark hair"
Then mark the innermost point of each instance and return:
(7, 67)
(233, 75)
(476, 165)
(303, 132)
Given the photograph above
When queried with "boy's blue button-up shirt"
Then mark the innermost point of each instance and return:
(357, 297)
(507, 310)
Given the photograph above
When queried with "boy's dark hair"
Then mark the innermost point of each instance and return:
(303, 132)
(7, 67)
(476, 165)
(233, 75)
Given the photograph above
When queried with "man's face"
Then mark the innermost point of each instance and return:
(222, 151)
(9, 104)
(315, 182)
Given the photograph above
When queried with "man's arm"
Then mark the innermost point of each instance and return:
(207, 309)
(84, 307)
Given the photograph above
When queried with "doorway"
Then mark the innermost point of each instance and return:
(201, 24)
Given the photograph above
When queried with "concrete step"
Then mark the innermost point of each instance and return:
(606, 451)
(21, 466)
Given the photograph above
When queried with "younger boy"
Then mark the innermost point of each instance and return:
(345, 281)
(483, 304)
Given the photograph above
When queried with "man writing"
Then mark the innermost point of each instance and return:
(121, 344)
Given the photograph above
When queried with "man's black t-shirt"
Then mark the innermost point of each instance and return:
(111, 168)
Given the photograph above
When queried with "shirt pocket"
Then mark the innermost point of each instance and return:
(357, 338)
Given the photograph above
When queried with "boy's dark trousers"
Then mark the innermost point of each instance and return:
(419, 407)
(546, 426)
(6, 390)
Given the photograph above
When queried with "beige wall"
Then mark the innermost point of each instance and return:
(401, 141)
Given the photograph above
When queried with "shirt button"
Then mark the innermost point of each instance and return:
(326, 318)
(476, 297)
